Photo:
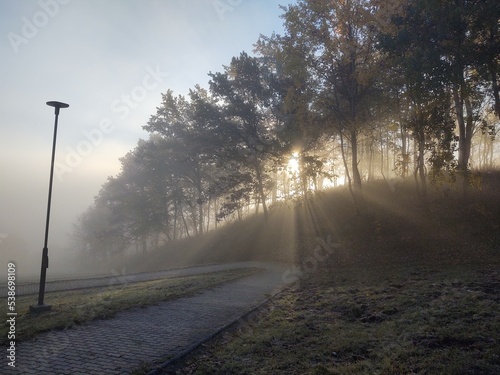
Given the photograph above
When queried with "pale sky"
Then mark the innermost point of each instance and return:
(109, 60)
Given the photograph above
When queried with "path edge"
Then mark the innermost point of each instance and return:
(182, 354)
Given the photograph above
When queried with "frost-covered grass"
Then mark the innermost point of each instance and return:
(413, 288)
(397, 321)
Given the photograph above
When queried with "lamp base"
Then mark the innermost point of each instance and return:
(39, 309)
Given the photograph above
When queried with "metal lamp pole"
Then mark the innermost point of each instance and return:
(45, 257)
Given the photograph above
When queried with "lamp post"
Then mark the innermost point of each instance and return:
(45, 257)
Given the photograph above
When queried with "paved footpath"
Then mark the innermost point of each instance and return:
(145, 335)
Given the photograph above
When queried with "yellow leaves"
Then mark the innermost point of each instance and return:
(385, 11)
(364, 75)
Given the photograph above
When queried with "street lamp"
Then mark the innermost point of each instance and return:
(45, 257)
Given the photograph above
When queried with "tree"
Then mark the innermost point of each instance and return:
(485, 33)
(245, 102)
(96, 236)
(298, 129)
(437, 46)
(133, 200)
(340, 54)
(190, 143)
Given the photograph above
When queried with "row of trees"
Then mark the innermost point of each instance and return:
(354, 89)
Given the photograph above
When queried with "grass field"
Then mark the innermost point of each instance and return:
(398, 321)
(78, 306)
(413, 288)
(407, 286)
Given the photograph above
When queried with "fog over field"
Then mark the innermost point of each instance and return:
(250, 186)
(110, 61)
(185, 115)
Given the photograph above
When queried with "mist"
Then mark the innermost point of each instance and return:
(112, 77)
(24, 207)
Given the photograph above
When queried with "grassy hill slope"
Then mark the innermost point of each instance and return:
(396, 227)
(407, 287)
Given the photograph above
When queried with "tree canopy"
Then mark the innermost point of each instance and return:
(353, 90)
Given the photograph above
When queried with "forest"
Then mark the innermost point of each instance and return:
(353, 91)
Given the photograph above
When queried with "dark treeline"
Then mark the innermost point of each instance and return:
(354, 90)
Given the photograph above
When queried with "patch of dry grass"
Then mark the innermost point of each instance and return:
(397, 321)
(414, 288)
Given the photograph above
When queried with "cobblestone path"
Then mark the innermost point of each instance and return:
(145, 335)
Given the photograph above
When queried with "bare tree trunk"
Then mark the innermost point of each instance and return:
(194, 216)
(360, 203)
(275, 187)
(382, 155)
(157, 239)
(371, 159)
(465, 127)
(302, 175)
(185, 224)
(346, 167)
(176, 213)
(404, 150)
(286, 186)
(208, 216)
(387, 158)
(216, 209)
(261, 187)
(356, 177)
(200, 216)
(492, 147)
(144, 244)
(420, 167)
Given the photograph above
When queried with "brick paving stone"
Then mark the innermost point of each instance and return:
(146, 335)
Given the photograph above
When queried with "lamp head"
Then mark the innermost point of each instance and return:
(57, 105)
